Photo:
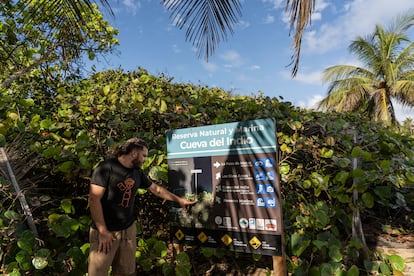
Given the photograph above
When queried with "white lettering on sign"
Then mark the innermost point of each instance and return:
(193, 145)
(251, 128)
(239, 141)
(176, 136)
(213, 132)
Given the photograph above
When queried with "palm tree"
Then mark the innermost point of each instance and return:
(387, 74)
(207, 22)
(408, 126)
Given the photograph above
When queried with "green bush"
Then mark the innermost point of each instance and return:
(325, 160)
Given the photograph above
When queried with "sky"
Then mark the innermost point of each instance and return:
(256, 57)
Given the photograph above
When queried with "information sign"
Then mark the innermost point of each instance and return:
(231, 170)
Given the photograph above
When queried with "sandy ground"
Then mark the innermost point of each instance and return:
(403, 250)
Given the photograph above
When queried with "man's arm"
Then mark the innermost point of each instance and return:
(96, 192)
(167, 195)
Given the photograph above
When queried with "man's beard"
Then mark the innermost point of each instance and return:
(136, 164)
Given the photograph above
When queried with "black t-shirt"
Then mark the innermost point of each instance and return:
(120, 185)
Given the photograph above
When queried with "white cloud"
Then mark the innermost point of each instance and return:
(316, 16)
(176, 49)
(321, 5)
(403, 112)
(210, 67)
(312, 103)
(354, 21)
(314, 78)
(380, 12)
(232, 58)
(243, 24)
(286, 19)
(309, 78)
(323, 40)
(347, 60)
(255, 67)
(131, 6)
(276, 4)
(269, 19)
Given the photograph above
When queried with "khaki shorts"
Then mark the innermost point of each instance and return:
(121, 257)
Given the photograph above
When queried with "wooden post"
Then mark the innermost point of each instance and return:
(279, 262)
(25, 206)
(279, 265)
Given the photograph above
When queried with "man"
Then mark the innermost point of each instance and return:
(111, 199)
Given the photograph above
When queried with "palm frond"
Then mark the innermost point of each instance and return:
(343, 99)
(403, 91)
(67, 12)
(207, 22)
(405, 60)
(402, 22)
(365, 50)
(340, 72)
(300, 17)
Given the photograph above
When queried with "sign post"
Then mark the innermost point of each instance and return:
(231, 170)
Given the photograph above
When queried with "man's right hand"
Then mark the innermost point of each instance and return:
(105, 241)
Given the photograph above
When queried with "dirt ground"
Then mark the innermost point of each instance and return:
(392, 240)
(402, 245)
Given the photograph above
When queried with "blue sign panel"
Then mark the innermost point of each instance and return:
(223, 139)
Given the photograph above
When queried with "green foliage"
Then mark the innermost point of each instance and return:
(323, 161)
(60, 248)
(38, 46)
(149, 251)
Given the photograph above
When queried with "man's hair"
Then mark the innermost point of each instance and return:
(128, 146)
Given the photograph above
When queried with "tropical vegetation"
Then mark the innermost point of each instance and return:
(339, 173)
(324, 160)
(42, 45)
(386, 75)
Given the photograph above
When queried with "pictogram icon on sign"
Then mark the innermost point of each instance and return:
(179, 234)
(202, 237)
(226, 239)
(255, 242)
